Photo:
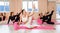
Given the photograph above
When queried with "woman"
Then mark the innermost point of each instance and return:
(0, 17)
(47, 18)
(26, 18)
(11, 17)
(4, 16)
(14, 18)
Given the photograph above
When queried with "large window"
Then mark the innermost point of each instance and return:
(27, 5)
(58, 11)
(4, 6)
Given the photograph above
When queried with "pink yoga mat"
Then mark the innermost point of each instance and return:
(39, 21)
(16, 26)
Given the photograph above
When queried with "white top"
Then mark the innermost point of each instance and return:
(24, 19)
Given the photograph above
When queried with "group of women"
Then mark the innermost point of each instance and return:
(25, 18)
(21, 18)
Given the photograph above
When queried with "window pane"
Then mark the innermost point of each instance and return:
(6, 3)
(58, 7)
(7, 6)
(1, 6)
(1, 3)
(27, 4)
(24, 5)
(58, 11)
(36, 5)
(4, 6)
(30, 6)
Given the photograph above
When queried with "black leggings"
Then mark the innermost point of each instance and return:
(50, 22)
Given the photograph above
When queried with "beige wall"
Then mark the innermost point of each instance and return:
(43, 5)
(15, 6)
(52, 6)
(58, 1)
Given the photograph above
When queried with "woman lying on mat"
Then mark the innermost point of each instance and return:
(11, 17)
(14, 18)
(24, 17)
(47, 18)
(27, 17)
(4, 16)
(1, 17)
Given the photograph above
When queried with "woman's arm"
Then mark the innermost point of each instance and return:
(32, 11)
(19, 14)
(20, 18)
(9, 19)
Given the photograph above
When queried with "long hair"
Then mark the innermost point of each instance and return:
(1, 14)
(22, 11)
(11, 13)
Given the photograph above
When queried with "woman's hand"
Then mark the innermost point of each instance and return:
(33, 8)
